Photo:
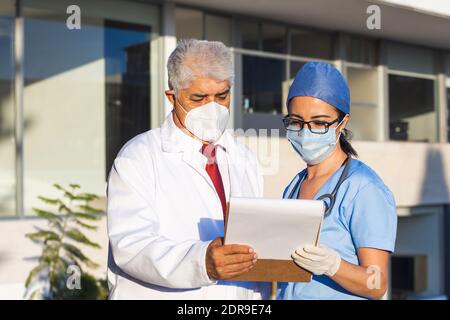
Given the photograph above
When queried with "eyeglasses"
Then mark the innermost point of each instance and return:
(315, 126)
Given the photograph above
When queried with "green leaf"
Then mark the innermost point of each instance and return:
(48, 200)
(90, 209)
(66, 192)
(43, 235)
(69, 195)
(87, 216)
(34, 272)
(85, 225)
(76, 235)
(36, 294)
(86, 197)
(57, 225)
(74, 186)
(58, 186)
(65, 208)
(46, 214)
(76, 252)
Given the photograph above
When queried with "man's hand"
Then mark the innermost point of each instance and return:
(228, 261)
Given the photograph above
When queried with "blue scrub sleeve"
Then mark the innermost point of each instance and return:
(373, 222)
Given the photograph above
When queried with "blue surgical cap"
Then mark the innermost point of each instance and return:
(322, 81)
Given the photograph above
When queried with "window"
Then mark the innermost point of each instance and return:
(313, 44)
(127, 94)
(268, 37)
(447, 72)
(448, 114)
(363, 85)
(409, 58)
(262, 84)
(218, 28)
(250, 35)
(412, 114)
(188, 23)
(7, 146)
(361, 50)
(295, 67)
(274, 38)
(86, 91)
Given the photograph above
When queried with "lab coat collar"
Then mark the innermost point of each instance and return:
(174, 140)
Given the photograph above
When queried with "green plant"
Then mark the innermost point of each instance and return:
(71, 212)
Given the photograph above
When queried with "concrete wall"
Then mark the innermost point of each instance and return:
(417, 173)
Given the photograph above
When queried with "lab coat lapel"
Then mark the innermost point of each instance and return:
(194, 158)
(174, 140)
(236, 164)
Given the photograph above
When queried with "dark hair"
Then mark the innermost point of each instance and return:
(344, 139)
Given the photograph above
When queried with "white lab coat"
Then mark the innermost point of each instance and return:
(163, 212)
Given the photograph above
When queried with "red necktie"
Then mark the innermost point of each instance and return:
(209, 151)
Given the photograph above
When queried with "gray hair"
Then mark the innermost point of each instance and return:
(199, 58)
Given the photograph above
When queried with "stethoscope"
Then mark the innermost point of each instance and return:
(332, 195)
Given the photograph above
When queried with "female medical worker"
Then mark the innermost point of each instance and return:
(359, 227)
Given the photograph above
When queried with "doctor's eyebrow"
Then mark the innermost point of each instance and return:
(313, 117)
(198, 96)
(223, 92)
(321, 116)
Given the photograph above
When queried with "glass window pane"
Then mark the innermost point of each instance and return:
(412, 114)
(274, 38)
(250, 35)
(262, 84)
(7, 146)
(86, 92)
(410, 58)
(313, 44)
(127, 58)
(295, 67)
(361, 50)
(448, 114)
(189, 23)
(363, 85)
(218, 28)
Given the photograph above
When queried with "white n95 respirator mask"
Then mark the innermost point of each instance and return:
(207, 122)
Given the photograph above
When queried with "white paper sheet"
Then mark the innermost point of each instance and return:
(273, 227)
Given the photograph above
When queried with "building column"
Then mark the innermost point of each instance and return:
(18, 106)
(168, 44)
(441, 93)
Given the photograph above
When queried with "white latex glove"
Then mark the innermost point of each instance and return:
(318, 260)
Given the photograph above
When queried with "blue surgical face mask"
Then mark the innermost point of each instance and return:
(313, 147)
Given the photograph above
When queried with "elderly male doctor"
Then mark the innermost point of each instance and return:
(168, 191)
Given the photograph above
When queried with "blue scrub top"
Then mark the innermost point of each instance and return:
(364, 215)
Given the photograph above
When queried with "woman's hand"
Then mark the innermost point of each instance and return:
(368, 279)
(318, 260)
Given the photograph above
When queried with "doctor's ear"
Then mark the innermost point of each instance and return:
(344, 121)
(170, 94)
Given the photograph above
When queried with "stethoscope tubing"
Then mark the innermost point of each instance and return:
(332, 195)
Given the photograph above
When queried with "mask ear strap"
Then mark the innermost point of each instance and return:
(340, 132)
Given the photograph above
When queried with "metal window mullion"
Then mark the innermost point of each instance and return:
(18, 107)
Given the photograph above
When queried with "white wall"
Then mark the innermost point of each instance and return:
(417, 173)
